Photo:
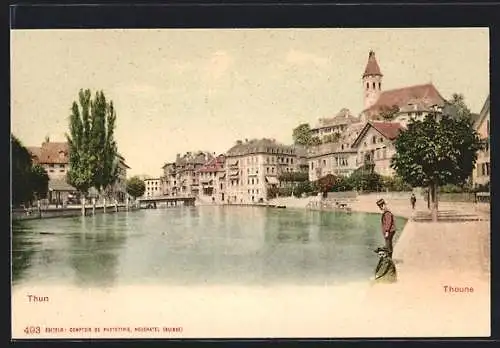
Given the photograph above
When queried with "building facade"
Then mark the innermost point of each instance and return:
(334, 127)
(401, 104)
(482, 171)
(331, 158)
(253, 167)
(212, 177)
(181, 178)
(375, 146)
(152, 187)
(54, 158)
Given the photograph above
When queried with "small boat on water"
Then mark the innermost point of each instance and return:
(281, 206)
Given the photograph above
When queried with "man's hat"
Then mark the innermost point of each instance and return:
(380, 202)
(379, 249)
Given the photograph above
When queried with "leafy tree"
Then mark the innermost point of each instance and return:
(433, 153)
(293, 177)
(326, 183)
(21, 172)
(93, 150)
(315, 141)
(39, 181)
(457, 106)
(302, 134)
(331, 138)
(135, 187)
(389, 113)
(272, 192)
(303, 187)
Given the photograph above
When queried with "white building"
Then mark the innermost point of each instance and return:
(153, 187)
(482, 171)
(375, 145)
(252, 167)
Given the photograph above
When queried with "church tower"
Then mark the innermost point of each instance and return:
(372, 81)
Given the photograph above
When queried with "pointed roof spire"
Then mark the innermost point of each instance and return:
(372, 67)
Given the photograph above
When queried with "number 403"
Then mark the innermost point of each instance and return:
(32, 330)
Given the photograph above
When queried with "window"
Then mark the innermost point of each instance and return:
(367, 85)
(324, 163)
(373, 85)
(257, 182)
(380, 140)
(272, 170)
(291, 160)
(374, 140)
(61, 170)
(312, 165)
(51, 165)
(380, 85)
(61, 166)
(267, 170)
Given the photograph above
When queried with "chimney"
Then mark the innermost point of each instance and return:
(47, 139)
(239, 142)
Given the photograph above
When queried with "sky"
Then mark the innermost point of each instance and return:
(178, 90)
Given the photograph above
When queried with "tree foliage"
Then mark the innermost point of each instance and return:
(436, 152)
(293, 177)
(389, 113)
(21, 172)
(331, 138)
(93, 150)
(326, 183)
(433, 152)
(39, 181)
(302, 136)
(135, 187)
(28, 180)
(458, 106)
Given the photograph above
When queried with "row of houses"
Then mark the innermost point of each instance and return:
(243, 174)
(54, 158)
(247, 170)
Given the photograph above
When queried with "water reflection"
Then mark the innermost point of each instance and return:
(192, 245)
(95, 250)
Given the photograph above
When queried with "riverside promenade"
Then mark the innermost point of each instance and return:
(443, 286)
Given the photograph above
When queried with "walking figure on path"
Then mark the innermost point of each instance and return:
(413, 200)
(388, 225)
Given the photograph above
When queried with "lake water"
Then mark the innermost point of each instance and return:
(212, 245)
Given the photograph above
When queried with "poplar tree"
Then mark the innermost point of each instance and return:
(93, 150)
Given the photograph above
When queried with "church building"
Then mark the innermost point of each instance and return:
(401, 104)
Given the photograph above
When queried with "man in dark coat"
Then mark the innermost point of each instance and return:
(386, 269)
(413, 200)
(388, 225)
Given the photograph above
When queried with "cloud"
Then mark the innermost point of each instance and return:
(295, 57)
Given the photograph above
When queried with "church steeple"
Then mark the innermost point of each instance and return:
(372, 81)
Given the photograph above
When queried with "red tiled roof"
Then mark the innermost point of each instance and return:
(389, 130)
(35, 152)
(53, 152)
(427, 93)
(213, 165)
(372, 67)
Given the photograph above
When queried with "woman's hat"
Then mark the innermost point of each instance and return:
(380, 202)
(379, 249)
